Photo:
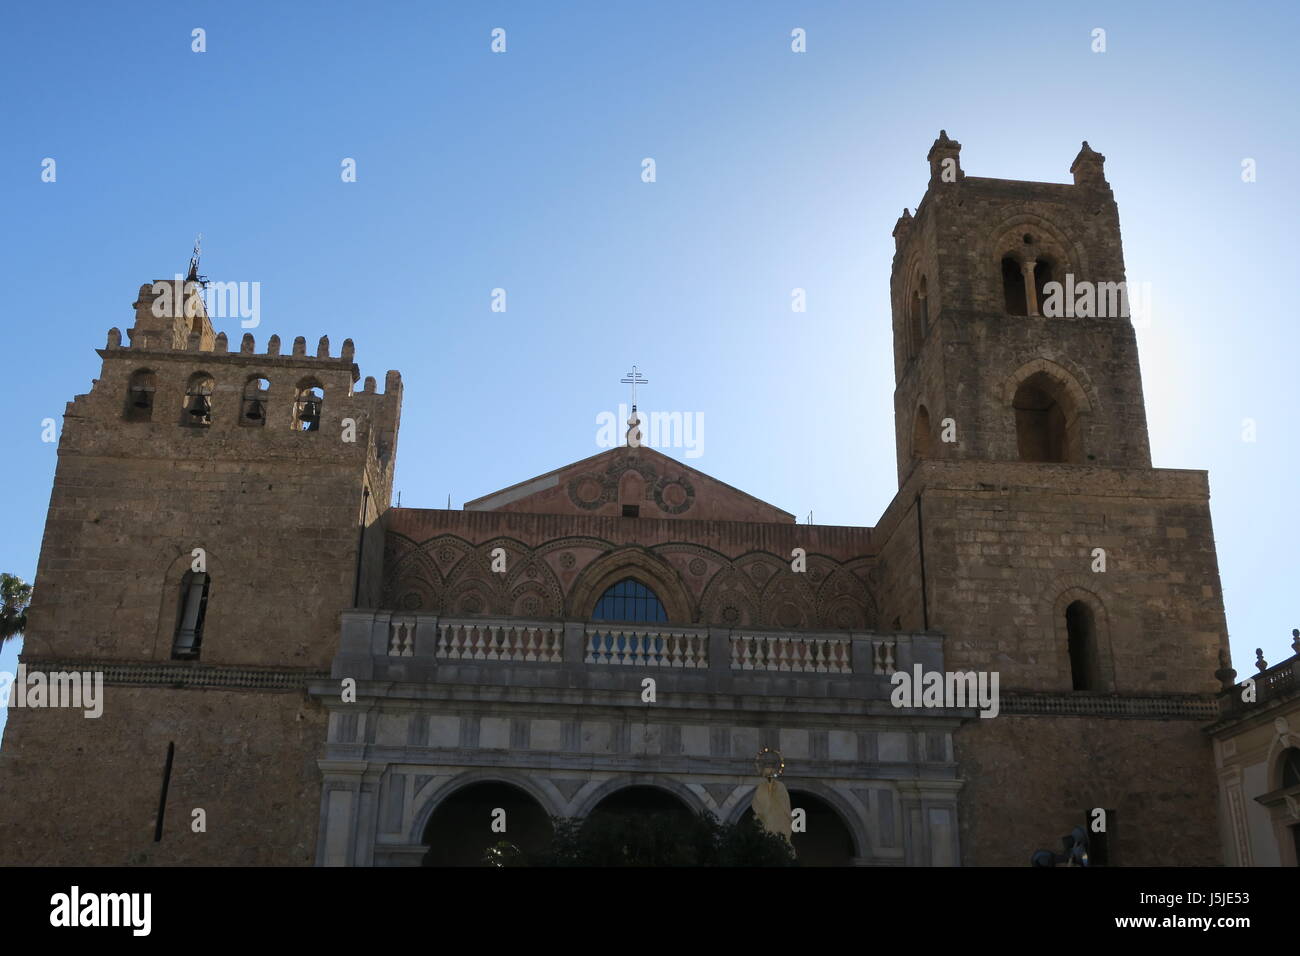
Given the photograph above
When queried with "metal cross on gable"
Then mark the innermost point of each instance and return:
(634, 378)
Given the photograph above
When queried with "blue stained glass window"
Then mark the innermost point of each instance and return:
(629, 600)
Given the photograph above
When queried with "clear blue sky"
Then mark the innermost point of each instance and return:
(775, 171)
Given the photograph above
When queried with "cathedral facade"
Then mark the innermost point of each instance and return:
(333, 680)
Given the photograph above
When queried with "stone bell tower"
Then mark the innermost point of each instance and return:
(1013, 337)
(213, 513)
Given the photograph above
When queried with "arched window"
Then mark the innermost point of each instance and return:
(1046, 426)
(1081, 630)
(629, 600)
(253, 410)
(1013, 287)
(921, 434)
(197, 412)
(193, 608)
(307, 406)
(918, 318)
(139, 396)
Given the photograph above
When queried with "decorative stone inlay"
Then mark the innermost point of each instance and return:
(674, 495)
(184, 675)
(697, 567)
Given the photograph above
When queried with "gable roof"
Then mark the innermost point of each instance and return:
(642, 478)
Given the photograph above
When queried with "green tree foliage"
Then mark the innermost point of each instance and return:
(15, 595)
(658, 839)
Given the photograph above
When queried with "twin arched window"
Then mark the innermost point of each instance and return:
(1025, 273)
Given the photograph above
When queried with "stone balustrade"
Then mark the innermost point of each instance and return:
(585, 655)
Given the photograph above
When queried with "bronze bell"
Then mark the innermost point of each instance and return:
(201, 408)
(311, 415)
(142, 397)
(255, 411)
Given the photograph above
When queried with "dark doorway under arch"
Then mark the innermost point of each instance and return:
(826, 840)
(641, 800)
(460, 832)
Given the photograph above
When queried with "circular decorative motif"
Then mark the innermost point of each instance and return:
(471, 604)
(697, 566)
(731, 615)
(445, 554)
(411, 602)
(588, 492)
(531, 571)
(531, 605)
(674, 495)
(567, 560)
(759, 572)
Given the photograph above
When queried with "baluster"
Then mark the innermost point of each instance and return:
(889, 657)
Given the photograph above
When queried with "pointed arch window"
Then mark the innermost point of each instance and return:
(193, 610)
(629, 600)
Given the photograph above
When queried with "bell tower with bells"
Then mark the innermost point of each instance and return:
(200, 487)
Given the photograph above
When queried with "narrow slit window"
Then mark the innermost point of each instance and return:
(194, 606)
